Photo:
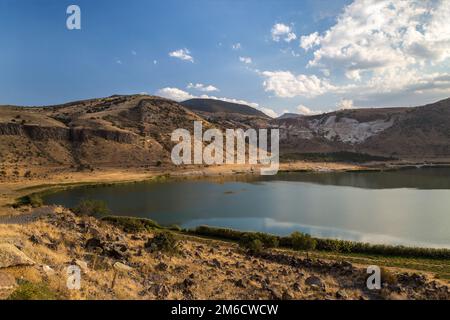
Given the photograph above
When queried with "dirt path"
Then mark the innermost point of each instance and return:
(28, 217)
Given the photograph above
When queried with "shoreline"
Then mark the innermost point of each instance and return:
(19, 199)
(10, 191)
(62, 177)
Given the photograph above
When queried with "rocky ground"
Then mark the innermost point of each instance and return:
(38, 249)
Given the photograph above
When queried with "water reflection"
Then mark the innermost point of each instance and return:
(399, 207)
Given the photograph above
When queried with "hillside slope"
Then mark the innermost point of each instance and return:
(127, 131)
(134, 132)
(219, 106)
(419, 133)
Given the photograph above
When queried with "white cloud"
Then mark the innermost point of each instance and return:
(181, 95)
(345, 104)
(118, 61)
(383, 48)
(306, 111)
(133, 52)
(287, 85)
(309, 41)
(202, 87)
(236, 46)
(282, 31)
(174, 94)
(155, 61)
(372, 36)
(246, 60)
(183, 54)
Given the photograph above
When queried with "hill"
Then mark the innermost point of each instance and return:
(219, 106)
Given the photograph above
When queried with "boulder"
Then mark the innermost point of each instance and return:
(10, 256)
(315, 282)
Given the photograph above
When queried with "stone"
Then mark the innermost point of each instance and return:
(296, 287)
(48, 270)
(82, 264)
(287, 295)
(11, 256)
(93, 243)
(240, 283)
(161, 291)
(341, 295)
(215, 263)
(275, 294)
(161, 266)
(119, 266)
(35, 239)
(315, 282)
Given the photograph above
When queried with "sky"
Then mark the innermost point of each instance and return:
(278, 56)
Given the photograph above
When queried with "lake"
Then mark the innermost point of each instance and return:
(409, 207)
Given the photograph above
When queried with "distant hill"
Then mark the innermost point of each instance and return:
(219, 106)
(289, 115)
(135, 131)
(404, 133)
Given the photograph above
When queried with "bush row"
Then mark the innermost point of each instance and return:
(300, 241)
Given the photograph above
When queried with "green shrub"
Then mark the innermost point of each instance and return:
(301, 241)
(174, 227)
(252, 244)
(33, 200)
(33, 291)
(332, 245)
(165, 242)
(91, 208)
(257, 241)
(131, 224)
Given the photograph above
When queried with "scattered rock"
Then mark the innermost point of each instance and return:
(215, 263)
(119, 266)
(161, 291)
(296, 287)
(11, 256)
(188, 282)
(340, 294)
(35, 239)
(240, 283)
(82, 264)
(315, 282)
(275, 294)
(48, 270)
(93, 243)
(161, 266)
(287, 295)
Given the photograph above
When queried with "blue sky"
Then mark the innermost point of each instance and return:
(296, 56)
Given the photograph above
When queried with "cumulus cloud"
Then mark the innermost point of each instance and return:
(345, 104)
(282, 31)
(309, 41)
(181, 95)
(236, 46)
(306, 111)
(383, 48)
(202, 87)
(174, 94)
(246, 60)
(373, 36)
(287, 85)
(183, 54)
